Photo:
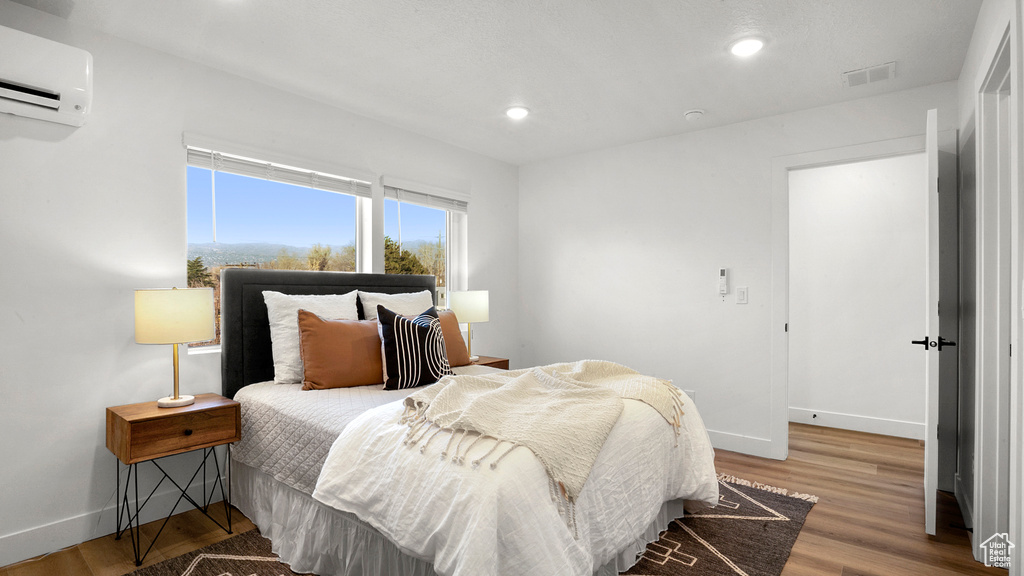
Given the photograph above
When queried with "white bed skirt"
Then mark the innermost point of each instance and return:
(312, 537)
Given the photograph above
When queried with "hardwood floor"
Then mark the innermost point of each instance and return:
(105, 556)
(869, 520)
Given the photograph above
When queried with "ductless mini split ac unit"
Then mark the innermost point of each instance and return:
(43, 79)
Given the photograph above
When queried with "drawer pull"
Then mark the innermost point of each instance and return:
(188, 432)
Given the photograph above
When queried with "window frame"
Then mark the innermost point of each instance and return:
(396, 196)
(370, 192)
(215, 162)
(456, 207)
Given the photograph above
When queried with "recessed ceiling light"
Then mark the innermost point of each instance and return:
(517, 112)
(693, 115)
(746, 47)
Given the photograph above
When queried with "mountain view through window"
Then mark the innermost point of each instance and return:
(243, 221)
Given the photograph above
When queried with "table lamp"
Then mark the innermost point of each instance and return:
(174, 316)
(469, 307)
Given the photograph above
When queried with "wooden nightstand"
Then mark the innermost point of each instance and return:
(492, 362)
(144, 432)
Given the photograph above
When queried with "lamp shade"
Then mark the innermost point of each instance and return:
(174, 316)
(470, 306)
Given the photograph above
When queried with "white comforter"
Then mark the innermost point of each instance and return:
(488, 522)
(287, 431)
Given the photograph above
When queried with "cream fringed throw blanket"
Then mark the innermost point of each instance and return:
(561, 412)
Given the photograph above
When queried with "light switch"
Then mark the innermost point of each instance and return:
(741, 294)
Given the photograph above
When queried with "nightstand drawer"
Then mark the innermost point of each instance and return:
(152, 438)
(139, 432)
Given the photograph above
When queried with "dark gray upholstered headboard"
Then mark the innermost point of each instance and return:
(246, 355)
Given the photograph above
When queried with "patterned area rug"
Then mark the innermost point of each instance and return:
(243, 555)
(750, 533)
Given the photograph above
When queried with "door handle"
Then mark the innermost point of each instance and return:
(921, 342)
(946, 343)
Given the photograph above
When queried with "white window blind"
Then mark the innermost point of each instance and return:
(428, 200)
(220, 162)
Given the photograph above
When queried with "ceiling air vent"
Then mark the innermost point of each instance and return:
(869, 75)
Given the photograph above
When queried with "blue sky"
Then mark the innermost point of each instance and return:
(418, 222)
(255, 210)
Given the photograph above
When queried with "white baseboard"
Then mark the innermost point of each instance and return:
(743, 444)
(84, 527)
(898, 428)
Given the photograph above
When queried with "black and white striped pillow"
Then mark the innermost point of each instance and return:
(414, 352)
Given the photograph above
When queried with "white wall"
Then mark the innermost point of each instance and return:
(856, 293)
(88, 215)
(619, 251)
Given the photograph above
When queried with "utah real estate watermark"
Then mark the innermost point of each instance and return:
(996, 550)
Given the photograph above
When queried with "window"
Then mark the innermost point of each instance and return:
(417, 235)
(247, 213)
(244, 212)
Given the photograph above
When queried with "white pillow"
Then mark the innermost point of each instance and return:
(283, 311)
(405, 304)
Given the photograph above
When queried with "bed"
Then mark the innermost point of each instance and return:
(288, 434)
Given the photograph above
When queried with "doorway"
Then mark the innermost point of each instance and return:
(857, 231)
(781, 168)
(940, 394)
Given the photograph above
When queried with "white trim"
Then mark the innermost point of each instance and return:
(364, 232)
(222, 162)
(779, 385)
(761, 447)
(869, 424)
(376, 247)
(781, 166)
(994, 287)
(436, 201)
(1016, 523)
(412, 186)
(194, 140)
(458, 252)
(65, 532)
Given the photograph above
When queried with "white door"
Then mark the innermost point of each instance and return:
(942, 320)
(930, 342)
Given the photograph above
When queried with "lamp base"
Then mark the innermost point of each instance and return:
(474, 358)
(170, 402)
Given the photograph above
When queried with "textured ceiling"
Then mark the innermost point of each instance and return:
(594, 73)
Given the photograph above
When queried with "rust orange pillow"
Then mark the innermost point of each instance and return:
(454, 344)
(338, 353)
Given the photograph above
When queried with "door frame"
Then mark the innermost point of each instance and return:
(781, 166)
(997, 482)
(1017, 368)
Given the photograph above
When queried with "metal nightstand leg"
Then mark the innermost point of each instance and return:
(123, 508)
(227, 471)
(124, 504)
